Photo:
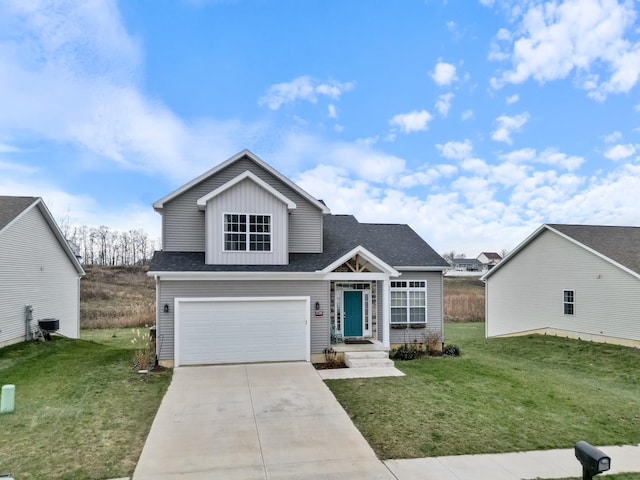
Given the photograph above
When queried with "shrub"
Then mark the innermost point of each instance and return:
(142, 356)
(408, 352)
(451, 350)
(330, 357)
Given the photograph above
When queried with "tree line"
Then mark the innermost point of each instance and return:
(103, 246)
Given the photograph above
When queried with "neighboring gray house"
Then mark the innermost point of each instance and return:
(37, 268)
(256, 269)
(578, 281)
(465, 265)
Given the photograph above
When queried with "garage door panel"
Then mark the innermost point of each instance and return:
(239, 331)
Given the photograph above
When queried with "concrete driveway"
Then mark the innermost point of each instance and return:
(261, 421)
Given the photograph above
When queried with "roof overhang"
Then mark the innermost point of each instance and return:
(230, 276)
(384, 267)
(159, 204)
(247, 175)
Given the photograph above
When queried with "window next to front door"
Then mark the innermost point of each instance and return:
(408, 302)
(247, 232)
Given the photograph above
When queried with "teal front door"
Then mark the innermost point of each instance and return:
(352, 314)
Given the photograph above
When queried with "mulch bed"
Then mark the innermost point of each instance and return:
(328, 366)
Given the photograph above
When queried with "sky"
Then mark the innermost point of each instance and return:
(472, 121)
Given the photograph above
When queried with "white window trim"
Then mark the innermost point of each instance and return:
(248, 233)
(573, 303)
(408, 289)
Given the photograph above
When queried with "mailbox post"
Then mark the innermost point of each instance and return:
(593, 461)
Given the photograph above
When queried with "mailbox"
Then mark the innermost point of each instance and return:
(593, 461)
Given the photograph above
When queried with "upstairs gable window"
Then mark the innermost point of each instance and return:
(247, 233)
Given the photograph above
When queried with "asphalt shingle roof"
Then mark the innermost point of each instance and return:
(397, 245)
(620, 244)
(11, 207)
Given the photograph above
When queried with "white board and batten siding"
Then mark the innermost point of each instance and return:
(247, 197)
(434, 308)
(35, 270)
(527, 292)
(183, 224)
(169, 290)
(241, 330)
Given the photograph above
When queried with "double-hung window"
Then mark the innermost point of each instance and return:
(408, 302)
(569, 297)
(247, 233)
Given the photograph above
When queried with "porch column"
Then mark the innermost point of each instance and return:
(386, 311)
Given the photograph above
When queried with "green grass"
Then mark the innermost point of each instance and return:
(81, 413)
(501, 395)
(113, 337)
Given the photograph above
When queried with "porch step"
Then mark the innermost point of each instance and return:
(367, 359)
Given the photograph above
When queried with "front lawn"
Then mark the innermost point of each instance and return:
(81, 413)
(501, 395)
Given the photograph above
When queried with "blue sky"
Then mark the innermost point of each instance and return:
(474, 122)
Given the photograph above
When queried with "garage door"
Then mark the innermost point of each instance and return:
(241, 330)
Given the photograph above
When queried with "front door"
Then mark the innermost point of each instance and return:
(352, 314)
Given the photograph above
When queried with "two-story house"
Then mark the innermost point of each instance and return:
(254, 269)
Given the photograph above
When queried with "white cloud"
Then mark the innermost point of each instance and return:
(548, 156)
(332, 111)
(444, 74)
(620, 152)
(575, 36)
(443, 103)
(302, 88)
(456, 150)
(414, 121)
(467, 114)
(70, 74)
(507, 125)
(612, 137)
(512, 99)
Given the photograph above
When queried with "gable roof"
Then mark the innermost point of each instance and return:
(202, 202)
(491, 255)
(12, 208)
(394, 244)
(159, 204)
(618, 245)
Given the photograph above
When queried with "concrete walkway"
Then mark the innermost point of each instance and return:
(510, 466)
(262, 421)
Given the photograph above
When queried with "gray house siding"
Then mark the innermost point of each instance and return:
(434, 309)
(35, 270)
(318, 291)
(246, 197)
(183, 225)
(526, 293)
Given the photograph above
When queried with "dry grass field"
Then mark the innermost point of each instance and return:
(116, 297)
(463, 299)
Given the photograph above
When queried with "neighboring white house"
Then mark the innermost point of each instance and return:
(579, 281)
(37, 268)
(489, 260)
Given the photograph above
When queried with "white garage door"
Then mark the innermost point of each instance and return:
(241, 330)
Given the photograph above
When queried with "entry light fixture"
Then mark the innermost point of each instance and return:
(166, 308)
(317, 306)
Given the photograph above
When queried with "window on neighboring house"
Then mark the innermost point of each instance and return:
(247, 233)
(408, 302)
(569, 302)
